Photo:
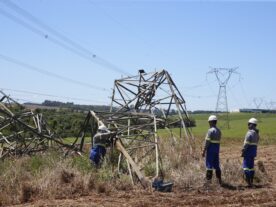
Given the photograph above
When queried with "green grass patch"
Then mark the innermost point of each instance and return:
(237, 130)
(82, 163)
(70, 140)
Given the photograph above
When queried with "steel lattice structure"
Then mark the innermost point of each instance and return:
(136, 139)
(154, 93)
(140, 106)
(223, 76)
(22, 131)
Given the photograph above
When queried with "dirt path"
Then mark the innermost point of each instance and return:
(261, 196)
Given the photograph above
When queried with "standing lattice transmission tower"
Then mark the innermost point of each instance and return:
(223, 76)
(258, 102)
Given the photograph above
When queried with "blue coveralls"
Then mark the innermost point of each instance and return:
(250, 152)
(212, 145)
(98, 151)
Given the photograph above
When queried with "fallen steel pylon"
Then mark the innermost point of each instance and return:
(140, 106)
(153, 93)
(23, 132)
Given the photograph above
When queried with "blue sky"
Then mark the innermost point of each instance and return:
(184, 37)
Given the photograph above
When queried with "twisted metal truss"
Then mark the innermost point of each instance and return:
(154, 93)
(136, 139)
(22, 131)
(140, 106)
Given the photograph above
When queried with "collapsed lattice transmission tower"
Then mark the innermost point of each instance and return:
(24, 132)
(140, 106)
(223, 76)
(154, 93)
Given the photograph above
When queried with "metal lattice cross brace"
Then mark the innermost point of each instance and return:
(23, 132)
(153, 93)
(140, 106)
(223, 76)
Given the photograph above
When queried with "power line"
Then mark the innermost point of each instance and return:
(237, 101)
(258, 101)
(74, 47)
(20, 99)
(244, 93)
(45, 72)
(200, 85)
(43, 34)
(195, 86)
(41, 24)
(47, 95)
(125, 27)
(85, 53)
(199, 96)
(210, 86)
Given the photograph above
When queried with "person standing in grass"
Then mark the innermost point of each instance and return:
(249, 151)
(211, 150)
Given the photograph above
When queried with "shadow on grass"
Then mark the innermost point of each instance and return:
(242, 187)
(228, 186)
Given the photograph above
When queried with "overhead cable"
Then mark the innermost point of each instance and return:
(73, 46)
(51, 74)
(49, 95)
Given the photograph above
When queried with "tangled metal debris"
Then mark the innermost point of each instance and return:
(140, 106)
(22, 131)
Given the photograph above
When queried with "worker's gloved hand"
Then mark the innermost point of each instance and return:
(242, 152)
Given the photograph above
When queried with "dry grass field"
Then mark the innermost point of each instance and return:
(62, 186)
(51, 180)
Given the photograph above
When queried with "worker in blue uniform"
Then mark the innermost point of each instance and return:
(211, 150)
(249, 151)
(101, 140)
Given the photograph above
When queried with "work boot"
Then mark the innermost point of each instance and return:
(252, 176)
(252, 179)
(209, 175)
(249, 181)
(218, 175)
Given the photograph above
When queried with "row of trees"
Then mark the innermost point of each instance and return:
(64, 122)
(66, 119)
(71, 105)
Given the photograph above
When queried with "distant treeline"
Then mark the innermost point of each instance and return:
(76, 106)
(66, 119)
(257, 111)
(64, 122)
(68, 122)
(105, 108)
(202, 112)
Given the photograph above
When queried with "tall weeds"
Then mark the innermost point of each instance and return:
(50, 176)
(187, 170)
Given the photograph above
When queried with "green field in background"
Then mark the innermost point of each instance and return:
(236, 133)
(238, 127)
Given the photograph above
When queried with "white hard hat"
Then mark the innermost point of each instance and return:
(212, 118)
(102, 128)
(252, 121)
